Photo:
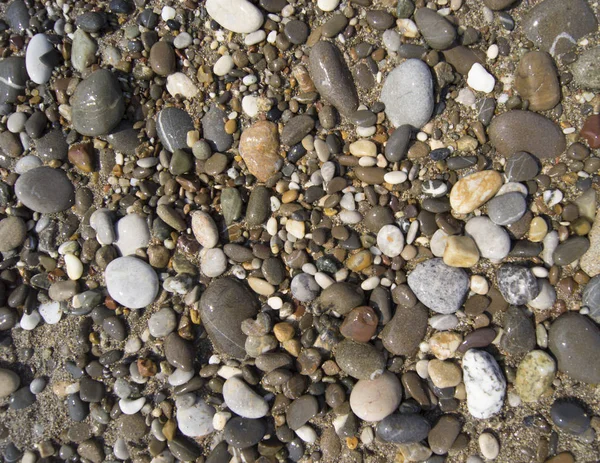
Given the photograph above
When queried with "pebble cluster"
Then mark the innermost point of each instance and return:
(300, 230)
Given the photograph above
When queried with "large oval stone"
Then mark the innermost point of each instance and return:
(437, 31)
(259, 147)
(575, 342)
(97, 104)
(224, 305)
(235, 15)
(526, 131)
(332, 78)
(45, 190)
(537, 82)
(474, 190)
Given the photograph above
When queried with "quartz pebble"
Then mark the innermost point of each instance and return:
(131, 282)
(484, 383)
(235, 15)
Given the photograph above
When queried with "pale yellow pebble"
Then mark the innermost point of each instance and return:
(538, 229)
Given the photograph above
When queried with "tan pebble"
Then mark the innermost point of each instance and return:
(444, 373)
(363, 148)
(461, 251)
(231, 126)
(460, 392)
(467, 143)
(474, 190)
(293, 346)
(289, 196)
(259, 147)
(538, 228)
(564, 457)
(359, 261)
(489, 446)
(283, 331)
(260, 286)
(444, 344)
(479, 285)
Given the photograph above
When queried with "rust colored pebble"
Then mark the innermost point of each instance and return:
(591, 131)
(360, 324)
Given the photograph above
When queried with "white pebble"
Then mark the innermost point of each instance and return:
(350, 217)
(51, 312)
(390, 240)
(179, 83)
(479, 285)
(396, 177)
(307, 434)
(323, 280)
(220, 420)
(131, 407)
(480, 80)
(180, 377)
(223, 66)
(29, 322)
(168, 12)
(493, 51)
(74, 266)
(250, 105)
(255, 37)
(489, 446)
(370, 283)
(422, 368)
(328, 5)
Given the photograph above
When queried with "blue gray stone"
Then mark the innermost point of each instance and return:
(403, 428)
(517, 284)
(13, 77)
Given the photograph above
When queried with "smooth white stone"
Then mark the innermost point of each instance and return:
(235, 15)
(395, 178)
(437, 243)
(223, 65)
(255, 37)
(213, 262)
(131, 407)
(443, 322)
(484, 383)
(390, 240)
(546, 298)
(550, 243)
(242, 400)
(51, 312)
(180, 84)
(38, 46)
(195, 420)
(492, 240)
(27, 163)
(307, 434)
(132, 233)
(480, 80)
(74, 266)
(131, 282)
(328, 5)
(205, 229)
(101, 222)
(30, 321)
(180, 377)
(350, 217)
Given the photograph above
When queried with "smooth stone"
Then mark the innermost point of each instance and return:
(570, 250)
(213, 126)
(390, 240)
(180, 84)
(13, 232)
(13, 78)
(591, 131)
(484, 383)
(360, 324)
(259, 147)
(45, 190)
(373, 400)
(162, 58)
(370, 175)
(38, 71)
(182, 450)
(462, 58)
(162, 322)
(124, 138)
(258, 208)
(498, 4)
(97, 104)
(520, 167)
(474, 190)
(460, 251)
(304, 287)
(172, 126)
(300, 411)
(239, 16)
(231, 205)
(403, 428)
(17, 16)
(517, 284)
(519, 332)
(585, 69)
(224, 305)
(9, 382)
(574, 341)
(546, 298)
(83, 50)
(242, 433)
(535, 375)
(537, 82)
(359, 360)
(196, 420)
(590, 297)
(527, 131)
(437, 31)
(296, 129)
(438, 286)
(555, 26)
(396, 147)
(443, 434)
(569, 417)
(132, 233)
(131, 282)
(52, 146)
(408, 94)
(492, 240)
(332, 78)
(340, 298)
(26, 163)
(507, 208)
(242, 400)
(403, 334)
(204, 229)
(179, 352)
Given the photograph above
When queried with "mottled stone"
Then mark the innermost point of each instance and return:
(259, 147)
(403, 428)
(517, 284)
(519, 332)
(535, 375)
(474, 190)
(485, 385)
(585, 70)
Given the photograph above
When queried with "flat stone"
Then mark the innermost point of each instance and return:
(537, 82)
(242, 400)
(403, 334)
(474, 190)
(590, 297)
(304, 287)
(224, 305)
(403, 429)
(132, 233)
(591, 131)
(172, 126)
(492, 240)
(396, 147)
(332, 78)
(437, 31)
(97, 105)
(195, 420)
(258, 208)
(507, 208)
(242, 433)
(556, 26)
(462, 58)
(484, 383)
(438, 286)
(239, 16)
(341, 298)
(526, 131)
(585, 70)
(359, 360)
(360, 324)
(204, 229)
(570, 250)
(131, 282)
(408, 93)
(301, 410)
(13, 77)
(45, 190)
(443, 434)
(373, 400)
(231, 205)
(520, 167)
(83, 50)
(535, 375)
(213, 127)
(574, 341)
(517, 284)
(17, 16)
(259, 147)
(461, 251)
(179, 352)
(162, 58)
(52, 146)
(296, 129)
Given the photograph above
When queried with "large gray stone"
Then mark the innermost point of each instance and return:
(45, 190)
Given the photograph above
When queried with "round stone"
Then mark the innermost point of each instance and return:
(373, 400)
(12, 233)
(403, 428)
(304, 287)
(390, 240)
(131, 282)
(45, 190)
(195, 420)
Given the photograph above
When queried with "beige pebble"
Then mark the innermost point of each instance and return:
(489, 446)
(538, 229)
(461, 251)
(444, 373)
(363, 148)
(474, 190)
(260, 286)
(443, 344)
(479, 285)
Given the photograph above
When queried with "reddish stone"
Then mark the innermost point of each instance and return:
(360, 324)
(591, 131)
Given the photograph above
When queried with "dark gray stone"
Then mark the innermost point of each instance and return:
(17, 16)
(242, 433)
(397, 145)
(570, 417)
(172, 126)
(296, 129)
(52, 146)
(13, 77)
(507, 208)
(45, 190)
(359, 360)
(213, 127)
(179, 352)
(403, 429)
(301, 410)
(437, 31)
(340, 298)
(519, 332)
(521, 167)
(591, 298)
(570, 250)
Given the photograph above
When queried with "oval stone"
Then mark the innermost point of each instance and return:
(97, 104)
(484, 384)
(131, 282)
(13, 77)
(45, 190)
(223, 306)
(403, 428)
(535, 375)
(373, 400)
(259, 147)
(474, 190)
(537, 82)
(38, 46)
(235, 15)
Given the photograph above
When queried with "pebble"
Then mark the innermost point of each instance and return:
(172, 126)
(590, 298)
(13, 77)
(584, 70)
(180, 84)
(492, 240)
(403, 428)
(195, 420)
(13, 232)
(396, 147)
(517, 284)
(97, 104)
(162, 322)
(480, 80)
(537, 82)
(408, 93)
(214, 129)
(516, 131)
(570, 417)
(301, 411)
(360, 324)
(519, 332)
(438, 286)
(489, 446)
(546, 298)
(222, 314)
(242, 433)
(485, 385)
(555, 27)
(507, 208)
(38, 71)
(591, 131)
(520, 167)
(83, 50)
(573, 340)
(132, 233)
(131, 282)
(461, 251)
(9, 382)
(242, 400)
(437, 31)
(359, 360)
(204, 229)
(403, 334)
(332, 78)
(373, 400)
(45, 190)
(535, 375)
(304, 287)
(17, 16)
(239, 16)
(570, 250)
(474, 190)
(259, 147)
(162, 59)
(390, 240)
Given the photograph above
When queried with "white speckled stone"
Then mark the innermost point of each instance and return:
(484, 383)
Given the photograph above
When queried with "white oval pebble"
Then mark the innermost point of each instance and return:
(489, 446)
(180, 377)
(235, 15)
(195, 420)
(51, 312)
(74, 266)
(223, 65)
(481, 80)
(204, 229)
(180, 84)
(30, 321)
(328, 5)
(395, 178)
(38, 46)
(307, 434)
(131, 407)
(390, 240)
(255, 37)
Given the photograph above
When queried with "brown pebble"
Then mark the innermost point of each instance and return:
(360, 324)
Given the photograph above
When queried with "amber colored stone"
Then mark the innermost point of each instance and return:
(360, 324)
(81, 157)
(591, 131)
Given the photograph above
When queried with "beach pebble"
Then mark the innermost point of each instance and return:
(195, 420)
(235, 15)
(373, 400)
(480, 80)
(38, 71)
(535, 375)
(390, 240)
(484, 383)
(131, 282)
(242, 400)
